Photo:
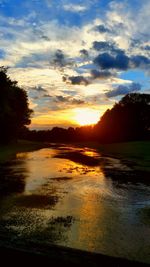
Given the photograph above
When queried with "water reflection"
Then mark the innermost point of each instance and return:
(76, 197)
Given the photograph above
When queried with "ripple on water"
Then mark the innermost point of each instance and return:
(76, 197)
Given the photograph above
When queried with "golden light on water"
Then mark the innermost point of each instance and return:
(86, 116)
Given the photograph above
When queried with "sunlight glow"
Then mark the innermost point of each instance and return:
(86, 116)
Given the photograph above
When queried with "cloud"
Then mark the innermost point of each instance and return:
(106, 46)
(77, 101)
(60, 98)
(147, 47)
(107, 61)
(59, 58)
(78, 80)
(96, 74)
(124, 89)
(74, 8)
(139, 61)
(47, 95)
(101, 28)
(119, 61)
(84, 52)
(37, 92)
(68, 100)
(69, 92)
(39, 45)
(101, 46)
(39, 89)
(36, 60)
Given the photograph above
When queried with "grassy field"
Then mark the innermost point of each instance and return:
(137, 153)
(7, 152)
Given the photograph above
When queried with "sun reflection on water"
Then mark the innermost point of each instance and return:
(67, 196)
(43, 168)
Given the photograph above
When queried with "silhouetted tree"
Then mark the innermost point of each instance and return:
(127, 120)
(14, 110)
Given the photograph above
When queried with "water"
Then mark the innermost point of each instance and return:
(76, 198)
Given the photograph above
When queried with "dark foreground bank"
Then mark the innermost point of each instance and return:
(60, 256)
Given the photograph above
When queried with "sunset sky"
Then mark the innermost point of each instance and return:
(75, 58)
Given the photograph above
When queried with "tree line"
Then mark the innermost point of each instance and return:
(127, 120)
(14, 108)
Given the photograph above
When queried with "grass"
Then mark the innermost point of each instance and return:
(138, 153)
(7, 152)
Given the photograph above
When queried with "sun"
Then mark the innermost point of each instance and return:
(86, 116)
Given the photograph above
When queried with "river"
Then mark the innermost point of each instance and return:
(78, 198)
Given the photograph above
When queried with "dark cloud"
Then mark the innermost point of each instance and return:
(107, 47)
(59, 58)
(135, 42)
(96, 74)
(64, 78)
(107, 61)
(40, 89)
(78, 80)
(46, 38)
(60, 98)
(101, 28)
(139, 61)
(124, 89)
(84, 52)
(101, 46)
(116, 58)
(68, 100)
(147, 47)
(77, 101)
(47, 95)
(115, 29)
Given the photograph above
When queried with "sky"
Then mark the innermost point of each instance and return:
(77, 58)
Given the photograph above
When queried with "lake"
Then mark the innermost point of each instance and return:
(75, 197)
